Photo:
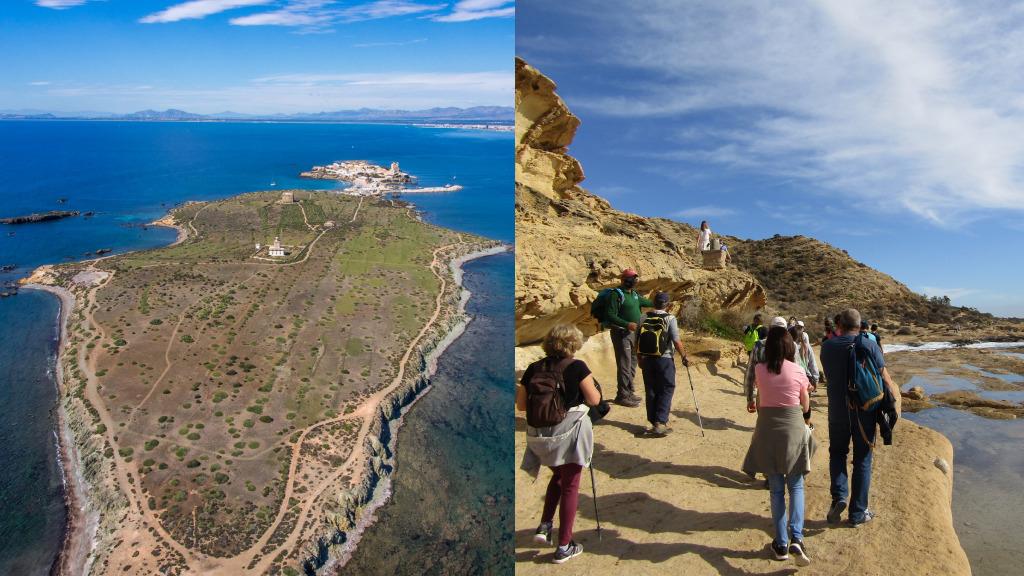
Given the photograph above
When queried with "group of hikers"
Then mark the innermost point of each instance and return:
(562, 399)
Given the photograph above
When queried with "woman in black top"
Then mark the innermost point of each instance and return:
(565, 447)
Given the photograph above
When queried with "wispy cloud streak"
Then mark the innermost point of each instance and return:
(195, 9)
(912, 106)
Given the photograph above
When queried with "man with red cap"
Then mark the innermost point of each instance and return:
(622, 316)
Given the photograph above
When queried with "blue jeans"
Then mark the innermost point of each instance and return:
(842, 427)
(793, 526)
(659, 386)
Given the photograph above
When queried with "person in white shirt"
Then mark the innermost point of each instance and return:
(704, 237)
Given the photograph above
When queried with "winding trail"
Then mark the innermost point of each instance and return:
(130, 483)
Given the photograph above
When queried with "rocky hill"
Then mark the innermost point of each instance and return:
(810, 279)
(571, 243)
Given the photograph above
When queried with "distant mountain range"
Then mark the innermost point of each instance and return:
(484, 114)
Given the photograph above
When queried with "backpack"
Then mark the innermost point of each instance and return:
(653, 336)
(865, 388)
(599, 307)
(545, 394)
(750, 336)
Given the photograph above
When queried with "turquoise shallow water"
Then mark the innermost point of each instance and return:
(132, 173)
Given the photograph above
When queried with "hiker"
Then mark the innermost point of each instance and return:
(703, 237)
(656, 338)
(791, 323)
(830, 330)
(782, 446)
(753, 332)
(565, 446)
(847, 422)
(757, 357)
(864, 331)
(878, 337)
(805, 354)
(621, 312)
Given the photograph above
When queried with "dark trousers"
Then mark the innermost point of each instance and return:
(842, 428)
(624, 344)
(563, 493)
(659, 386)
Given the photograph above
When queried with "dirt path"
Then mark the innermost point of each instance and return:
(681, 505)
(127, 478)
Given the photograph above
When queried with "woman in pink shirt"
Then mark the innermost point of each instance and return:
(782, 447)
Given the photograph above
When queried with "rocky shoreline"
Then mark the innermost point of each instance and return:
(333, 549)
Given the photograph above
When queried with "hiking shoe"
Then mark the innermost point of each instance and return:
(563, 554)
(835, 511)
(629, 402)
(868, 517)
(543, 535)
(799, 552)
(660, 429)
(780, 551)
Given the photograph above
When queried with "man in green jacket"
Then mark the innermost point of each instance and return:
(622, 317)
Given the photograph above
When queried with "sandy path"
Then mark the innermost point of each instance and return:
(680, 504)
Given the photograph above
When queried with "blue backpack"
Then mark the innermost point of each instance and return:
(865, 387)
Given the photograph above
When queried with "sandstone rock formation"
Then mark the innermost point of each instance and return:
(571, 243)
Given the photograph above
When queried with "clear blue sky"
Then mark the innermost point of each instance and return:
(894, 130)
(254, 56)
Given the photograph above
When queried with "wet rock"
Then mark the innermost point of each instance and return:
(915, 393)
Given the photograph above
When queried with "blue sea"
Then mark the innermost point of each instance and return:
(132, 173)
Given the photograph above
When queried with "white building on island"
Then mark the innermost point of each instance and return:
(276, 249)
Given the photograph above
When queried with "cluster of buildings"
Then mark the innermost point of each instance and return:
(366, 178)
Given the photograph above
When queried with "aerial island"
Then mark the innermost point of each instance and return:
(39, 217)
(229, 402)
(368, 179)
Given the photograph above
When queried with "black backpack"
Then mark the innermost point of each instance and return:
(545, 393)
(653, 336)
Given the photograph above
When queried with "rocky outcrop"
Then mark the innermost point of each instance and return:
(39, 217)
(571, 243)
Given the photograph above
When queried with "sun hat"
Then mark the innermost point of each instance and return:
(779, 321)
(800, 323)
(629, 273)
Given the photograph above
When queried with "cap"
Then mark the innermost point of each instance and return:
(800, 323)
(661, 298)
(779, 321)
(629, 273)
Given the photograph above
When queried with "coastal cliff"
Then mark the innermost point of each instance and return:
(570, 243)
(681, 504)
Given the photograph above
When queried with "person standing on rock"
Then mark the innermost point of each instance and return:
(878, 337)
(782, 446)
(703, 237)
(846, 424)
(657, 337)
(622, 316)
(566, 446)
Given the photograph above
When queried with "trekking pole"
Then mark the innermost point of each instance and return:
(593, 487)
(694, 393)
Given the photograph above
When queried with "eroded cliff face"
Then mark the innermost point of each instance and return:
(571, 243)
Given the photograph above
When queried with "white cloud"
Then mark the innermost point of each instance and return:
(195, 9)
(389, 44)
(467, 10)
(60, 4)
(319, 15)
(911, 106)
(40, 83)
(953, 293)
(704, 212)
